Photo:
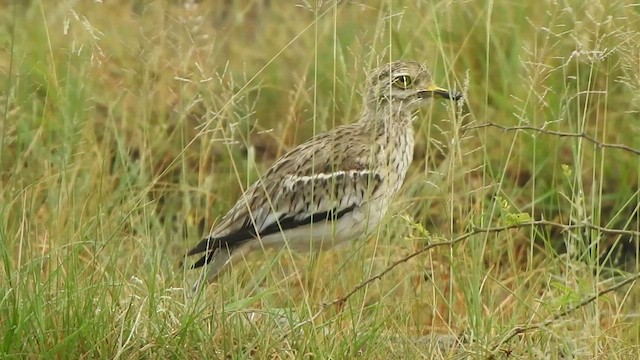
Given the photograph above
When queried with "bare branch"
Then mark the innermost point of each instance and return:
(563, 227)
(521, 329)
(395, 264)
(475, 231)
(557, 133)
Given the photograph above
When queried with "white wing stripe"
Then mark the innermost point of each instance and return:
(269, 213)
(290, 180)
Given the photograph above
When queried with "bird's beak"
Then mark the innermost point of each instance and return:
(435, 90)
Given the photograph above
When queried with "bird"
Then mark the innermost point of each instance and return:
(335, 187)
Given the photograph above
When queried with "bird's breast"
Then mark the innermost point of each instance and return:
(397, 153)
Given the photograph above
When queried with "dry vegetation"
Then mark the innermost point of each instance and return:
(129, 127)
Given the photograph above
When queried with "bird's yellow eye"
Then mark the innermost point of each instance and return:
(402, 81)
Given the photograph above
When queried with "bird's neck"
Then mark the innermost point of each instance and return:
(386, 116)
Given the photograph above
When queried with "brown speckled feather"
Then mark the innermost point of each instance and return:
(334, 187)
(286, 190)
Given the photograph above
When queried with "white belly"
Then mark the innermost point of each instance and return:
(326, 234)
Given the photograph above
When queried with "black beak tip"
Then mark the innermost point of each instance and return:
(454, 96)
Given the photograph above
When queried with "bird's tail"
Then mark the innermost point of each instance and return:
(217, 261)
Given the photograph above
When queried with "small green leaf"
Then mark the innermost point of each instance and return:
(519, 218)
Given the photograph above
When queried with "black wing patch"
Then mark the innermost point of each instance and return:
(247, 232)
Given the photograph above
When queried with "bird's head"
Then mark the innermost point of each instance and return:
(403, 85)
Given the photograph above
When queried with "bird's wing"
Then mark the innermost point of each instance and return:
(323, 179)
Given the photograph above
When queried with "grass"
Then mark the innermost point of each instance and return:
(129, 127)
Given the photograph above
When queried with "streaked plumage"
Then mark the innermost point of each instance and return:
(336, 186)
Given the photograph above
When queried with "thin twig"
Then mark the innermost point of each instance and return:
(520, 329)
(344, 298)
(564, 227)
(557, 133)
(475, 231)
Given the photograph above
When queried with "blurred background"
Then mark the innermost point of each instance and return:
(130, 127)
